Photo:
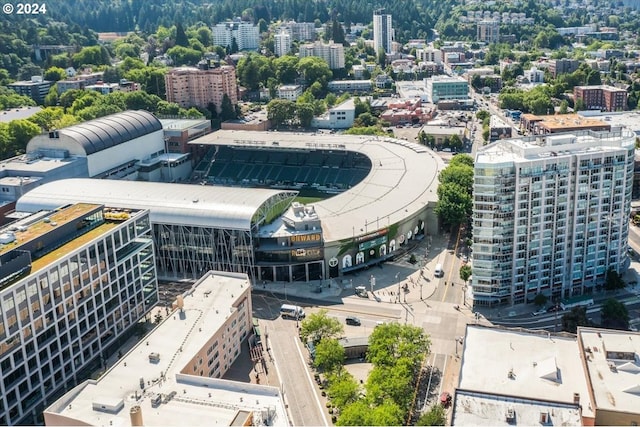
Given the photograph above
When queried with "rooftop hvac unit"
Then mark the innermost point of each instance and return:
(510, 415)
(544, 417)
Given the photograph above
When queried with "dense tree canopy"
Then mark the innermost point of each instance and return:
(329, 355)
(576, 317)
(318, 326)
(614, 315)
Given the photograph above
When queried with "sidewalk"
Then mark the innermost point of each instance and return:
(389, 279)
(631, 278)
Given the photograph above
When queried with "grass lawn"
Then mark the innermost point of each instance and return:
(307, 200)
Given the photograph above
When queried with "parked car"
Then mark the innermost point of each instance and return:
(539, 312)
(353, 321)
(554, 308)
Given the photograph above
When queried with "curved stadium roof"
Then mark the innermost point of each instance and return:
(100, 134)
(229, 208)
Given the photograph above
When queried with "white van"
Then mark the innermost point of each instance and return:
(292, 311)
(438, 272)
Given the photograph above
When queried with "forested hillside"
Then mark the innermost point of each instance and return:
(411, 17)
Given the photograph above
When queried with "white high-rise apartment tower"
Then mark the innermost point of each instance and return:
(550, 215)
(282, 42)
(382, 31)
(245, 34)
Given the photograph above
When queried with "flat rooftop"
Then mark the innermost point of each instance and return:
(182, 124)
(43, 261)
(554, 146)
(482, 409)
(628, 119)
(164, 157)
(177, 339)
(18, 181)
(24, 166)
(559, 122)
(402, 181)
(523, 364)
(613, 365)
(18, 113)
(41, 227)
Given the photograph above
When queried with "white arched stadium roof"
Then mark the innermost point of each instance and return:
(402, 181)
(106, 132)
(186, 204)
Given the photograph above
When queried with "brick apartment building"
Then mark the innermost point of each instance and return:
(189, 87)
(605, 98)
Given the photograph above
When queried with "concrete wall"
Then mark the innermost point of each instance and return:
(138, 148)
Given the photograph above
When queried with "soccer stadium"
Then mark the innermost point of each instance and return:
(366, 196)
(278, 206)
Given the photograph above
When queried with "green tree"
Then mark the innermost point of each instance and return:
(5, 77)
(576, 317)
(315, 69)
(184, 55)
(458, 174)
(51, 99)
(254, 69)
(614, 315)
(286, 68)
(329, 356)
(319, 325)
(391, 382)
(465, 272)
(540, 299)
(127, 50)
(454, 204)
(21, 131)
(393, 341)
(366, 119)
(130, 63)
(461, 159)
(382, 58)
(165, 108)
(613, 280)
(181, 36)
(6, 142)
(92, 55)
(205, 36)
(483, 114)
(343, 388)
(54, 74)
(330, 100)
(263, 26)
(436, 416)
(227, 110)
(140, 100)
(386, 414)
(355, 414)
(10, 99)
(281, 111)
(46, 117)
(564, 107)
(305, 113)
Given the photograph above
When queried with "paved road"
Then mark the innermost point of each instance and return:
(291, 363)
(553, 321)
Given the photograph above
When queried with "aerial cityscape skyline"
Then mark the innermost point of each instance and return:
(320, 213)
